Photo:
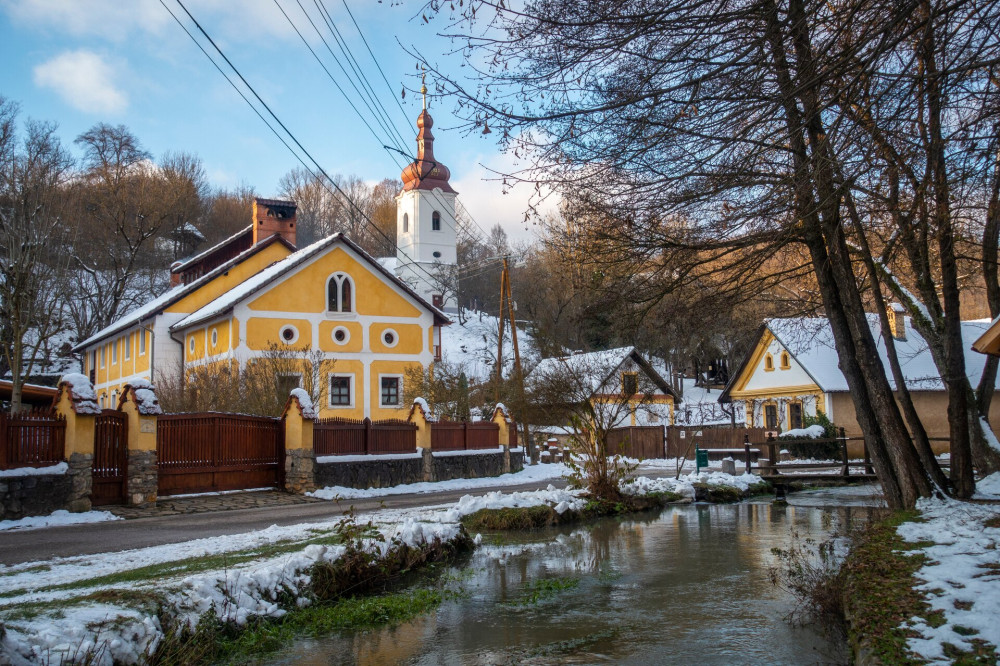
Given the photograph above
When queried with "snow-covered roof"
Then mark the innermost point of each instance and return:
(190, 261)
(170, 296)
(702, 408)
(264, 278)
(810, 341)
(596, 367)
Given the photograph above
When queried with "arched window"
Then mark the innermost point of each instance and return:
(339, 293)
(436, 221)
(786, 361)
(406, 223)
(768, 362)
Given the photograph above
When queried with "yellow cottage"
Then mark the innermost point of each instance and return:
(792, 372)
(366, 320)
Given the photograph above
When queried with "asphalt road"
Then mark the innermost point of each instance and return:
(19, 546)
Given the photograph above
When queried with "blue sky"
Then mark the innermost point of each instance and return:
(79, 62)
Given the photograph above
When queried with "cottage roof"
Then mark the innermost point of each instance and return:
(266, 277)
(168, 298)
(809, 340)
(598, 367)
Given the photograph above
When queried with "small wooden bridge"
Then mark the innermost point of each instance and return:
(781, 473)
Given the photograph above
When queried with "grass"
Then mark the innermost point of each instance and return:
(546, 588)
(531, 517)
(879, 596)
(992, 522)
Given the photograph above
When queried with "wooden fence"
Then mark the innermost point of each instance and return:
(464, 435)
(208, 452)
(680, 439)
(343, 437)
(640, 442)
(32, 439)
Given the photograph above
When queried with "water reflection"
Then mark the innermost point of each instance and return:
(686, 586)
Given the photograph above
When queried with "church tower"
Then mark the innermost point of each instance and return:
(425, 222)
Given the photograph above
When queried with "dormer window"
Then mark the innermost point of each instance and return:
(406, 223)
(339, 293)
(436, 221)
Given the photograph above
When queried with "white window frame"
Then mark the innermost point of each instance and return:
(397, 377)
(127, 347)
(347, 335)
(295, 334)
(104, 355)
(329, 391)
(93, 359)
(395, 337)
(114, 400)
(438, 215)
(406, 223)
(142, 342)
(191, 344)
(340, 277)
(215, 337)
(114, 352)
(102, 400)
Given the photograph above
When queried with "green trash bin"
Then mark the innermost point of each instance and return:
(701, 458)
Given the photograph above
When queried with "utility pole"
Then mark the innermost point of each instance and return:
(507, 312)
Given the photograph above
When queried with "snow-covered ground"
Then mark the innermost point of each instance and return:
(961, 578)
(472, 346)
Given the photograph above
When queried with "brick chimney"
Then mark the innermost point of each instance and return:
(897, 321)
(273, 216)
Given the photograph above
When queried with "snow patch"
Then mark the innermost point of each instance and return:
(145, 397)
(82, 392)
(305, 403)
(988, 487)
(812, 432)
(60, 468)
(56, 519)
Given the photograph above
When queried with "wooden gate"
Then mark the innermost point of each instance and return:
(110, 467)
(208, 452)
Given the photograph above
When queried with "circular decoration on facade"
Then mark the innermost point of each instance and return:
(390, 337)
(341, 335)
(215, 337)
(437, 255)
(289, 334)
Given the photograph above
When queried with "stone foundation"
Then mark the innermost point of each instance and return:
(81, 466)
(375, 473)
(469, 465)
(36, 495)
(142, 478)
(300, 471)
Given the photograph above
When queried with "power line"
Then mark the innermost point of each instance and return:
(329, 180)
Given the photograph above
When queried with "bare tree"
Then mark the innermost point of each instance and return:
(34, 243)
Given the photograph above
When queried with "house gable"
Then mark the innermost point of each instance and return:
(764, 373)
(304, 290)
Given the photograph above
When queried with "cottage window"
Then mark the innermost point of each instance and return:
(406, 223)
(390, 391)
(339, 293)
(630, 383)
(786, 361)
(436, 221)
(114, 352)
(794, 415)
(771, 417)
(768, 362)
(340, 391)
(103, 355)
(128, 347)
(142, 343)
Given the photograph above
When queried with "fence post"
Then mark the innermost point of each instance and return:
(746, 450)
(77, 403)
(420, 417)
(368, 435)
(141, 407)
(843, 454)
(300, 457)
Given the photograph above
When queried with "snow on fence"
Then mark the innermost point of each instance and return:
(32, 439)
(345, 437)
(464, 435)
(211, 451)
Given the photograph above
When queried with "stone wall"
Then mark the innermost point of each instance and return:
(143, 477)
(384, 472)
(35, 495)
(376, 473)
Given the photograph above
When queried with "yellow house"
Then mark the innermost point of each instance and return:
(617, 378)
(792, 372)
(364, 321)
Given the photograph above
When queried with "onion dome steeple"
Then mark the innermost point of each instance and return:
(426, 173)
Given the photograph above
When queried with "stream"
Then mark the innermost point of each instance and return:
(687, 585)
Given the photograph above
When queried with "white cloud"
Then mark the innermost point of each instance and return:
(83, 80)
(482, 192)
